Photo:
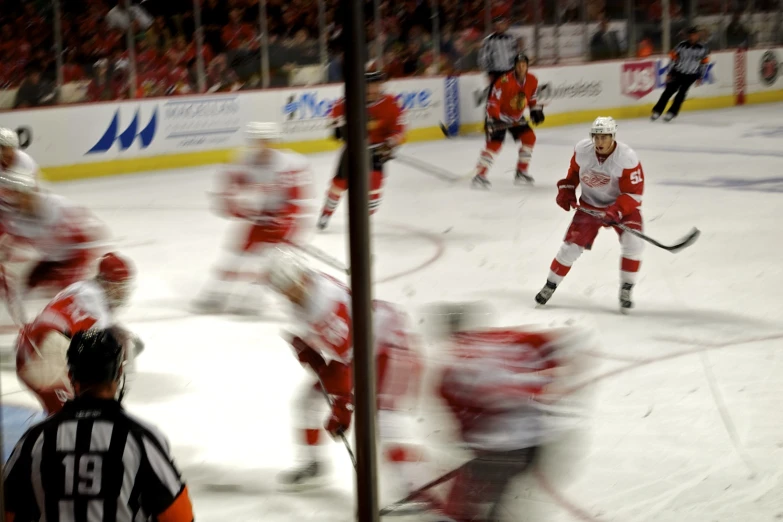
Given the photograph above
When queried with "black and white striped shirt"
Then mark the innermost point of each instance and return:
(498, 52)
(689, 58)
(93, 462)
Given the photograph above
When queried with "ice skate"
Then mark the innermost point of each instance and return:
(654, 116)
(669, 116)
(323, 222)
(625, 298)
(545, 294)
(523, 178)
(481, 182)
(305, 476)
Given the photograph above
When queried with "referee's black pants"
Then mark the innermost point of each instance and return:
(677, 83)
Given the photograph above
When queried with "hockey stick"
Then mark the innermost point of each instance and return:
(683, 243)
(320, 255)
(429, 168)
(342, 435)
(395, 507)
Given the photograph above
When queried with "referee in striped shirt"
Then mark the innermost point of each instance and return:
(92, 461)
(689, 61)
(498, 52)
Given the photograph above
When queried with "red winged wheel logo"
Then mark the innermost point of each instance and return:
(594, 179)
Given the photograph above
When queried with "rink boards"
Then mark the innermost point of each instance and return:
(95, 139)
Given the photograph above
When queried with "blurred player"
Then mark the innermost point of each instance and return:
(13, 158)
(511, 94)
(42, 344)
(385, 133)
(496, 383)
(64, 236)
(323, 344)
(612, 182)
(266, 190)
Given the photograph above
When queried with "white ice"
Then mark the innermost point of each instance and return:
(686, 421)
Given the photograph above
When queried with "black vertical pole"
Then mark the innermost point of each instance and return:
(359, 240)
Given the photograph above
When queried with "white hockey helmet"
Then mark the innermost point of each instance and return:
(287, 272)
(18, 179)
(262, 130)
(9, 138)
(603, 125)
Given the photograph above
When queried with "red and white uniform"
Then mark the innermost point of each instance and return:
(612, 183)
(270, 197)
(22, 161)
(510, 97)
(42, 344)
(64, 235)
(325, 326)
(491, 384)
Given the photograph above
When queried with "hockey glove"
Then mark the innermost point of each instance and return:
(307, 356)
(566, 195)
(492, 125)
(340, 419)
(537, 115)
(613, 215)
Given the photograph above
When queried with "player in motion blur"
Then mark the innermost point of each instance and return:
(267, 190)
(612, 182)
(65, 237)
(501, 385)
(42, 344)
(13, 158)
(385, 132)
(511, 94)
(322, 343)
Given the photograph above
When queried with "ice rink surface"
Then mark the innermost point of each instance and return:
(686, 418)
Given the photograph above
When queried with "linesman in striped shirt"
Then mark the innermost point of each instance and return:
(498, 52)
(689, 62)
(92, 461)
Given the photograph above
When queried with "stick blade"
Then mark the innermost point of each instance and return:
(687, 241)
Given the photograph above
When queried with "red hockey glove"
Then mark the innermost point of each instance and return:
(613, 215)
(566, 195)
(340, 419)
(307, 356)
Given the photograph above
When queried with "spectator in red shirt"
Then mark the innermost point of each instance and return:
(236, 32)
(190, 51)
(178, 77)
(72, 71)
(147, 54)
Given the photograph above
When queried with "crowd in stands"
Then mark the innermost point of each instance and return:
(99, 35)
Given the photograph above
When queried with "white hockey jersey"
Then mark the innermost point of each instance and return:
(25, 162)
(262, 189)
(56, 230)
(618, 178)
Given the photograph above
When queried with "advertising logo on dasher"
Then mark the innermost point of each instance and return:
(128, 136)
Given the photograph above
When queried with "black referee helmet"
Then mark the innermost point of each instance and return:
(95, 356)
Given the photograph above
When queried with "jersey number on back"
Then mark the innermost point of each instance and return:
(90, 468)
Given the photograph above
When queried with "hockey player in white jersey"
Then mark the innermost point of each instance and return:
(13, 158)
(267, 190)
(612, 182)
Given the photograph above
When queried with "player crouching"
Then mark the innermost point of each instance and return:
(385, 131)
(509, 96)
(612, 182)
(267, 191)
(322, 343)
(64, 236)
(509, 391)
(42, 344)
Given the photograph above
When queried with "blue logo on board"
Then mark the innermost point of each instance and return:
(128, 136)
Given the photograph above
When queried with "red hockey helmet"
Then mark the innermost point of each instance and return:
(114, 269)
(115, 274)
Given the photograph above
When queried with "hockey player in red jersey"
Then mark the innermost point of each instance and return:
(323, 345)
(385, 132)
(510, 95)
(612, 182)
(42, 344)
(267, 190)
(65, 237)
